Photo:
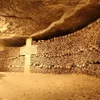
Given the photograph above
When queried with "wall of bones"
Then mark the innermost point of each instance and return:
(11, 61)
(78, 52)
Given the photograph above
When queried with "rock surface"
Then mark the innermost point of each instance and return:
(44, 18)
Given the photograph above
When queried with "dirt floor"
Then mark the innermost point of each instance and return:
(20, 86)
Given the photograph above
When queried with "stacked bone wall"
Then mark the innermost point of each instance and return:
(11, 61)
(78, 52)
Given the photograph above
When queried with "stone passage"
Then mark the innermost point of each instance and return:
(27, 51)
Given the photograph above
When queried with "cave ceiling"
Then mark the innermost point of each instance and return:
(43, 19)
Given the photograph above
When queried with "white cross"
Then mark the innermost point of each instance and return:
(27, 51)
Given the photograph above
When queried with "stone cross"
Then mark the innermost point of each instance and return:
(27, 51)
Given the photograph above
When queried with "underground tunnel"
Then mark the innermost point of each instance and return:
(50, 49)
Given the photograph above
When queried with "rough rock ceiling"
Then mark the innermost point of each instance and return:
(43, 19)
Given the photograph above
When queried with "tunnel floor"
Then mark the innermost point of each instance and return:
(20, 86)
